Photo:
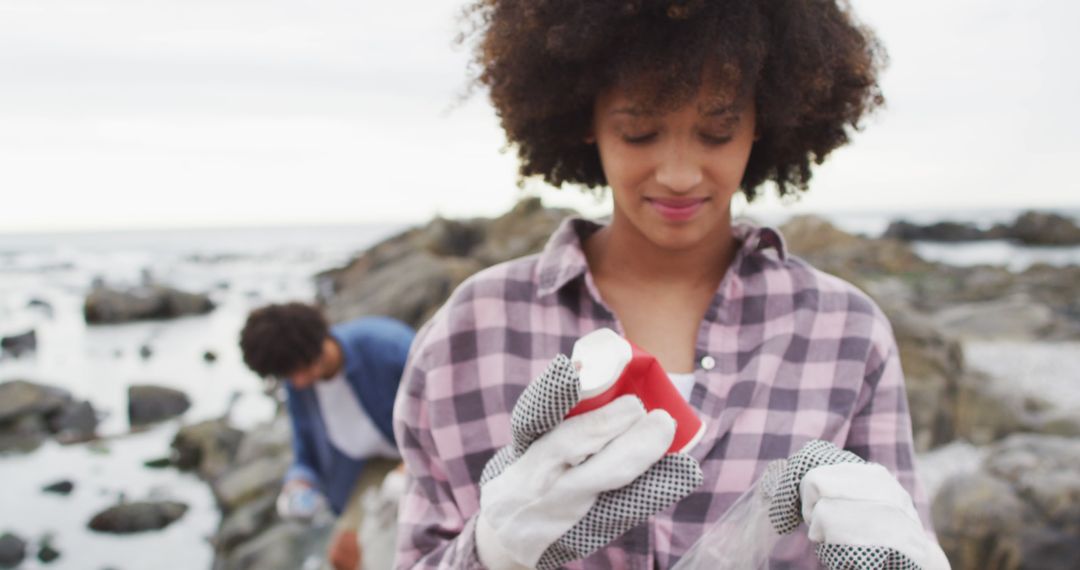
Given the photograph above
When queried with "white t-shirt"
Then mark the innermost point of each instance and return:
(684, 382)
(347, 424)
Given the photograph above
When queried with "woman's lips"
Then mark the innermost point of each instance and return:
(676, 209)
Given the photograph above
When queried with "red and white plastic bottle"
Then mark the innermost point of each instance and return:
(610, 366)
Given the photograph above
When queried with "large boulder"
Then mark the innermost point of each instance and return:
(1044, 228)
(1020, 510)
(148, 404)
(848, 256)
(940, 231)
(32, 412)
(154, 302)
(140, 516)
(22, 398)
(432, 260)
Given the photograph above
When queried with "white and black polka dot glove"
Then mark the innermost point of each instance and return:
(565, 488)
(858, 514)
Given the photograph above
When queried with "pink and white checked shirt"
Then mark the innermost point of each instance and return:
(785, 354)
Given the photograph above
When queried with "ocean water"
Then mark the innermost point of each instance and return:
(241, 269)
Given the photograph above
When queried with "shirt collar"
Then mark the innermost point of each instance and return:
(563, 258)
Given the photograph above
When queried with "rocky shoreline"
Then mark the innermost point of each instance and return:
(1009, 498)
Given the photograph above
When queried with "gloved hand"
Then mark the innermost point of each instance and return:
(858, 513)
(564, 489)
(298, 500)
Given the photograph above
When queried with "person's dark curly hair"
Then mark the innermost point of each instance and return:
(812, 70)
(280, 339)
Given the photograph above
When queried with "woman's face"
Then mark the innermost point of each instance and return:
(674, 173)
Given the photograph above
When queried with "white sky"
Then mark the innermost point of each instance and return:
(150, 113)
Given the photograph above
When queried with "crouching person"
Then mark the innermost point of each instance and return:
(340, 384)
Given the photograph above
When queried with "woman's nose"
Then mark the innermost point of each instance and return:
(679, 171)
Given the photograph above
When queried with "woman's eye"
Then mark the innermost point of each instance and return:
(715, 140)
(643, 138)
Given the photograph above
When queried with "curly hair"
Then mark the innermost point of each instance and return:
(811, 69)
(281, 339)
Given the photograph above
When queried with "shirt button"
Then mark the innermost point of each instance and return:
(708, 362)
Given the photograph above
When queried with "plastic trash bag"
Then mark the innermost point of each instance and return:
(744, 538)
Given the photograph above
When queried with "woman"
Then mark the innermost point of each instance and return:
(675, 106)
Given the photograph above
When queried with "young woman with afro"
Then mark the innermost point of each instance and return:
(674, 107)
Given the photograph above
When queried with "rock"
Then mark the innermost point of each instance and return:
(46, 552)
(209, 447)
(941, 231)
(270, 439)
(209, 356)
(12, 550)
(60, 487)
(433, 260)
(285, 546)
(148, 404)
(933, 367)
(128, 518)
(1015, 317)
(31, 412)
(1021, 510)
(22, 398)
(23, 435)
(1043, 228)
(75, 423)
(17, 345)
(153, 302)
(146, 351)
(250, 481)
(849, 257)
(245, 522)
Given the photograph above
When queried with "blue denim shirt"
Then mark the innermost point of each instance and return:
(373, 350)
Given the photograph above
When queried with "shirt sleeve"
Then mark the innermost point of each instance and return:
(881, 428)
(432, 531)
(304, 465)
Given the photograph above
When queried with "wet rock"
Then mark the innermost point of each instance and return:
(152, 302)
(208, 447)
(12, 550)
(75, 423)
(134, 517)
(148, 404)
(22, 398)
(60, 487)
(31, 413)
(19, 344)
(1020, 510)
(47, 552)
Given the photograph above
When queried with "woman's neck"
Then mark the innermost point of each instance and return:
(620, 250)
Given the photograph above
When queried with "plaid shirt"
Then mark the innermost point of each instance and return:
(785, 354)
